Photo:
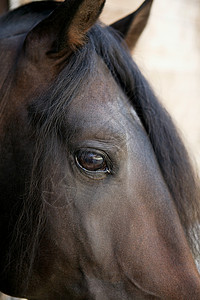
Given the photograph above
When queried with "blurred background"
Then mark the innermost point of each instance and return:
(168, 54)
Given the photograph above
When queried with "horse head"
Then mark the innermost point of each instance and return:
(95, 183)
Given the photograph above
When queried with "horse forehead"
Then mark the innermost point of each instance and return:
(102, 87)
(101, 98)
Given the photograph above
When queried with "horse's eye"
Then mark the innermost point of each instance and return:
(92, 161)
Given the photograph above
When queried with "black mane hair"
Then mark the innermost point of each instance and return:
(47, 115)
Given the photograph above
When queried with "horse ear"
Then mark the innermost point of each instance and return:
(133, 25)
(64, 29)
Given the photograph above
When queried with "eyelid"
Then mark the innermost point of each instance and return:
(97, 145)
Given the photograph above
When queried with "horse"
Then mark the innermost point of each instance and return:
(99, 199)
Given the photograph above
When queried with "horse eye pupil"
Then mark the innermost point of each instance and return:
(91, 161)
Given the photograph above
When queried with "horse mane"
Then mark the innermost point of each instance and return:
(175, 164)
(47, 116)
